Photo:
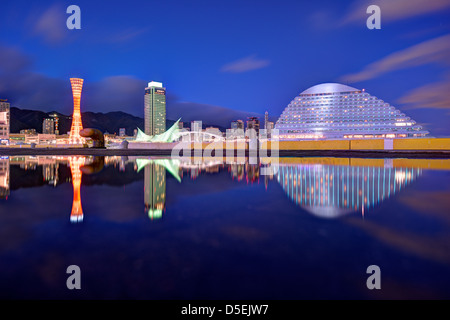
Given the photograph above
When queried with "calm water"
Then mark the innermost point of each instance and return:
(157, 228)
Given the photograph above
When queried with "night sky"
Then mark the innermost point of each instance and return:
(221, 60)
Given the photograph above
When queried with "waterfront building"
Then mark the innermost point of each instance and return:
(55, 117)
(238, 124)
(180, 125)
(155, 108)
(252, 124)
(237, 130)
(4, 121)
(45, 138)
(48, 126)
(214, 131)
(196, 129)
(77, 125)
(269, 127)
(122, 132)
(28, 131)
(337, 111)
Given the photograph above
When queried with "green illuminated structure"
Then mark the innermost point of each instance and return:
(170, 135)
(155, 183)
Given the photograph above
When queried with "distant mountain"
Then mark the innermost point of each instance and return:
(106, 122)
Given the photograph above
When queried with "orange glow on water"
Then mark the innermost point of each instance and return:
(77, 211)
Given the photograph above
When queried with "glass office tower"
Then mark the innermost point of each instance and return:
(337, 111)
(155, 108)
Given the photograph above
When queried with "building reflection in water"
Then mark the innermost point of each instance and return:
(77, 211)
(50, 173)
(4, 177)
(155, 183)
(331, 191)
(327, 190)
(154, 190)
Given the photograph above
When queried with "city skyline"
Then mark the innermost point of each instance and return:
(283, 66)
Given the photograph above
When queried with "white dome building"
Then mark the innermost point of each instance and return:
(337, 111)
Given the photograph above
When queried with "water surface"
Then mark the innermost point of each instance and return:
(157, 228)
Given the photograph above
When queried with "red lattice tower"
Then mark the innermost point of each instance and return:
(77, 125)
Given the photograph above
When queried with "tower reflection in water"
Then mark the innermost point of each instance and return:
(154, 190)
(77, 211)
(324, 187)
(331, 191)
(155, 183)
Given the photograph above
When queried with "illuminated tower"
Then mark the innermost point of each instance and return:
(77, 126)
(77, 212)
(155, 108)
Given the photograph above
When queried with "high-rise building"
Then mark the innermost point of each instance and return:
(155, 108)
(48, 126)
(252, 124)
(337, 111)
(180, 125)
(269, 127)
(196, 129)
(77, 125)
(122, 132)
(56, 121)
(266, 119)
(4, 120)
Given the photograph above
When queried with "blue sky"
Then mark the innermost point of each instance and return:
(223, 60)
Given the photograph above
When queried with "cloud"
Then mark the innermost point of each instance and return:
(51, 24)
(27, 89)
(436, 50)
(127, 35)
(245, 64)
(393, 10)
(12, 60)
(433, 95)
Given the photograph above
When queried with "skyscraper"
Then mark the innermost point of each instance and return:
(48, 126)
(252, 124)
(56, 121)
(155, 108)
(4, 120)
(77, 125)
(266, 119)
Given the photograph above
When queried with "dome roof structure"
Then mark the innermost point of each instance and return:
(329, 88)
(338, 111)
